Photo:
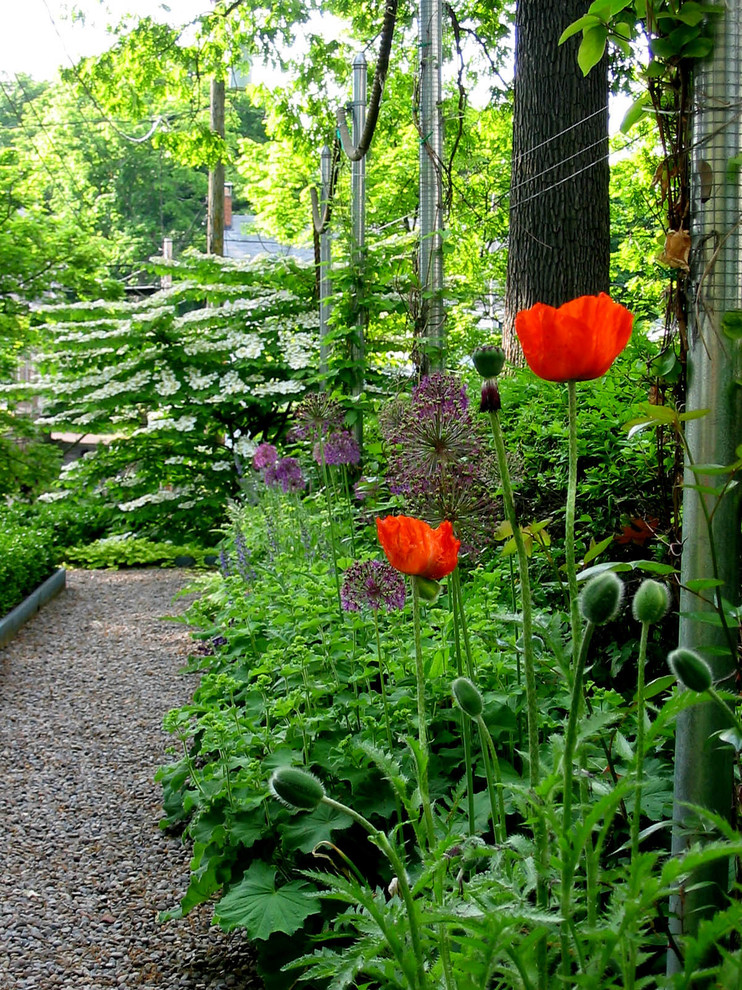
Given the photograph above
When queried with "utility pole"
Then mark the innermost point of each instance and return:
(704, 764)
(432, 316)
(215, 211)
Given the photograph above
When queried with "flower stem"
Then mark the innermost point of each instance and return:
(330, 513)
(456, 613)
(422, 728)
(570, 741)
(382, 678)
(639, 740)
(400, 872)
(526, 602)
(540, 834)
(494, 781)
(570, 520)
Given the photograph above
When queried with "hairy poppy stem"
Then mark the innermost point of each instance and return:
(422, 728)
(574, 609)
(540, 834)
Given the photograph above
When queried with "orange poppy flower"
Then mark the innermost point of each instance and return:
(413, 547)
(578, 341)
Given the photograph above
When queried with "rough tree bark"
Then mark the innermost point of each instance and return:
(559, 241)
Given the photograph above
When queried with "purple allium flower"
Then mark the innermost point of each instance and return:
(288, 475)
(317, 415)
(265, 456)
(339, 448)
(440, 461)
(372, 584)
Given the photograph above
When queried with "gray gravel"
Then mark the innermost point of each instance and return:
(84, 867)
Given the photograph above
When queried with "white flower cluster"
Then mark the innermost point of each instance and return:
(245, 447)
(174, 460)
(297, 348)
(199, 380)
(158, 422)
(114, 387)
(243, 344)
(152, 498)
(230, 384)
(277, 387)
(221, 466)
(53, 496)
(168, 383)
(101, 377)
(308, 320)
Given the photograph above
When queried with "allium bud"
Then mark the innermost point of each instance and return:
(651, 601)
(467, 697)
(690, 669)
(296, 788)
(601, 598)
(427, 588)
(490, 400)
(489, 360)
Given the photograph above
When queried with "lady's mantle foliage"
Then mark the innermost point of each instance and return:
(183, 379)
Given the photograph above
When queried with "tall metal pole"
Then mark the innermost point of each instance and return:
(703, 764)
(358, 221)
(215, 210)
(325, 262)
(432, 316)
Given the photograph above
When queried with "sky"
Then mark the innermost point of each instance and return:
(38, 36)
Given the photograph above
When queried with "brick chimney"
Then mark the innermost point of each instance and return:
(227, 205)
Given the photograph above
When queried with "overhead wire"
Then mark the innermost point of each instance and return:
(158, 121)
(42, 159)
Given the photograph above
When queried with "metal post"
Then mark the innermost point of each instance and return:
(703, 764)
(325, 261)
(432, 316)
(358, 221)
(166, 281)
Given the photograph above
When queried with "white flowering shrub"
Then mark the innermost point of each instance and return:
(181, 383)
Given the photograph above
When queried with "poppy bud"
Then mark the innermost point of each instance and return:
(467, 697)
(490, 401)
(296, 788)
(427, 589)
(489, 360)
(690, 669)
(601, 598)
(651, 601)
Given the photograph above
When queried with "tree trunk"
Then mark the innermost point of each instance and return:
(559, 245)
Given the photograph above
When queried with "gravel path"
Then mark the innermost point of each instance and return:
(84, 868)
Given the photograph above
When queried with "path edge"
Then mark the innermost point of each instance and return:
(16, 618)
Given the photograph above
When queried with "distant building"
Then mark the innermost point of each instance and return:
(242, 241)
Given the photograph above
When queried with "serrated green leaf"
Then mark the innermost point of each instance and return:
(261, 908)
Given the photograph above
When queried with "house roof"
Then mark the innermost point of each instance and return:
(242, 241)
